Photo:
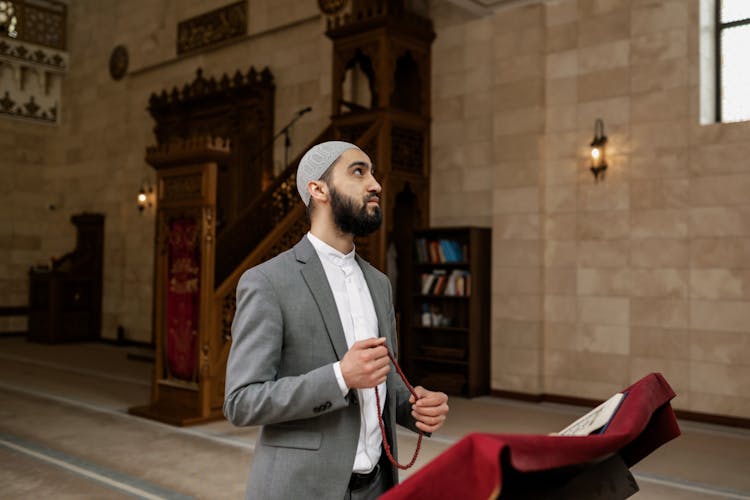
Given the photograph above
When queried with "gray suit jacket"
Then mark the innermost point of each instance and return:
(286, 335)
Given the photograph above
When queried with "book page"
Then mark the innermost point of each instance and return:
(595, 419)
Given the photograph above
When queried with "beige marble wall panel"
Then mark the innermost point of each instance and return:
(720, 379)
(477, 128)
(523, 17)
(720, 252)
(654, 164)
(477, 104)
(587, 366)
(519, 334)
(518, 68)
(560, 226)
(525, 120)
(604, 56)
(661, 283)
(656, 17)
(478, 179)
(560, 253)
(612, 311)
(517, 147)
(720, 190)
(605, 339)
(560, 12)
(661, 343)
(512, 253)
(528, 384)
(720, 315)
(661, 105)
(728, 134)
(717, 284)
(734, 405)
(717, 159)
(559, 336)
(659, 193)
(559, 65)
(560, 281)
(659, 76)
(519, 94)
(611, 225)
(448, 109)
(609, 27)
(662, 223)
(661, 46)
(720, 221)
(604, 197)
(560, 308)
(601, 85)
(603, 253)
(516, 173)
(730, 348)
(561, 37)
(560, 198)
(521, 280)
(517, 361)
(518, 307)
(515, 200)
(560, 91)
(561, 118)
(523, 226)
(513, 43)
(593, 8)
(662, 313)
(606, 282)
(561, 171)
(613, 111)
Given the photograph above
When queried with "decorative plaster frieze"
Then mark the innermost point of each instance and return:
(30, 80)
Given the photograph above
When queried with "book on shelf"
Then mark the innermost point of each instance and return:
(595, 421)
(439, 282)
(441, 251)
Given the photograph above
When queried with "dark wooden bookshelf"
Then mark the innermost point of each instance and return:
(446, 331)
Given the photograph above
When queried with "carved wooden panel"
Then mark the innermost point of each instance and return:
(183, 187)
(407, 150)
(211, 28)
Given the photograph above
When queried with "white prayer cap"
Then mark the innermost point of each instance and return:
(316, 161)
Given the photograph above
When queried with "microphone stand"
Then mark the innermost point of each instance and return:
(287, 139)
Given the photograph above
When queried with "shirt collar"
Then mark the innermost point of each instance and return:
(331, 254)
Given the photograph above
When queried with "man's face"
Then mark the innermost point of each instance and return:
(355, 194)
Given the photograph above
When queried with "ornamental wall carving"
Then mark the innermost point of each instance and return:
(31, 80)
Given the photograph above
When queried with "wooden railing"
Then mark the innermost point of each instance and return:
(282, 230)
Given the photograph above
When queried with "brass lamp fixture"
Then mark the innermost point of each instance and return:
(598, 146)
(145, 196)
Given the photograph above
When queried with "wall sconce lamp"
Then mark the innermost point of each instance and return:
(145, 197)
(598, 146)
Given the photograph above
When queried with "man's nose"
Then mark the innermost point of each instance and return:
(375, 186)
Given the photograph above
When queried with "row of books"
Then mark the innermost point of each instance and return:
(440, 282)
(439, 251)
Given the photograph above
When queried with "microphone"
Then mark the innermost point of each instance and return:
(304, 110)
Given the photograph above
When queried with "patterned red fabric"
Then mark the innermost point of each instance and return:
(183, 299)
(472, 468)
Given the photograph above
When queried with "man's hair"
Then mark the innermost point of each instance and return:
(326, 177)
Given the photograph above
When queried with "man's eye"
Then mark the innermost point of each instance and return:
(358, 171)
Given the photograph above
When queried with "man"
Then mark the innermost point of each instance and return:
(310, 340)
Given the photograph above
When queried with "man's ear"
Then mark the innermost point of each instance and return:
(318, 190)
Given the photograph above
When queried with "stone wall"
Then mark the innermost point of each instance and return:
(94, 160)
(598, 284)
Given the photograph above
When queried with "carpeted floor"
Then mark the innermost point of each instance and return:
(65, 433)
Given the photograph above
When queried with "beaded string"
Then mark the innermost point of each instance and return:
(386, 446)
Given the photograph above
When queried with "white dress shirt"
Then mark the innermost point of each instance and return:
(358, 318)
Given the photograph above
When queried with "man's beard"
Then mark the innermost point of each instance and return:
(352, 221)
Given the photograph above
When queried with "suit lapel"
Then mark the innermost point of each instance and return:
(378, 300)
(315, 277)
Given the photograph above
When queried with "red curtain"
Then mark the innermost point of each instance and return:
(183, 298)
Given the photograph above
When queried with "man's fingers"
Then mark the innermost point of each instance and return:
(432, 411)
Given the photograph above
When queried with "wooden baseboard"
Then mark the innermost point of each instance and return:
(708, 418)
(14, 311)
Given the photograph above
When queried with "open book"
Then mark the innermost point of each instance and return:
(595, 420)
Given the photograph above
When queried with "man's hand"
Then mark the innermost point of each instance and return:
(366, 364)
(429, 410)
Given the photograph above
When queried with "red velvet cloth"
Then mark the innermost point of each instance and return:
(472, 469)
(183, 299)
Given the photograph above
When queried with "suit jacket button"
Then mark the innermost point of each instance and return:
(316, 409)
(327, 405)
